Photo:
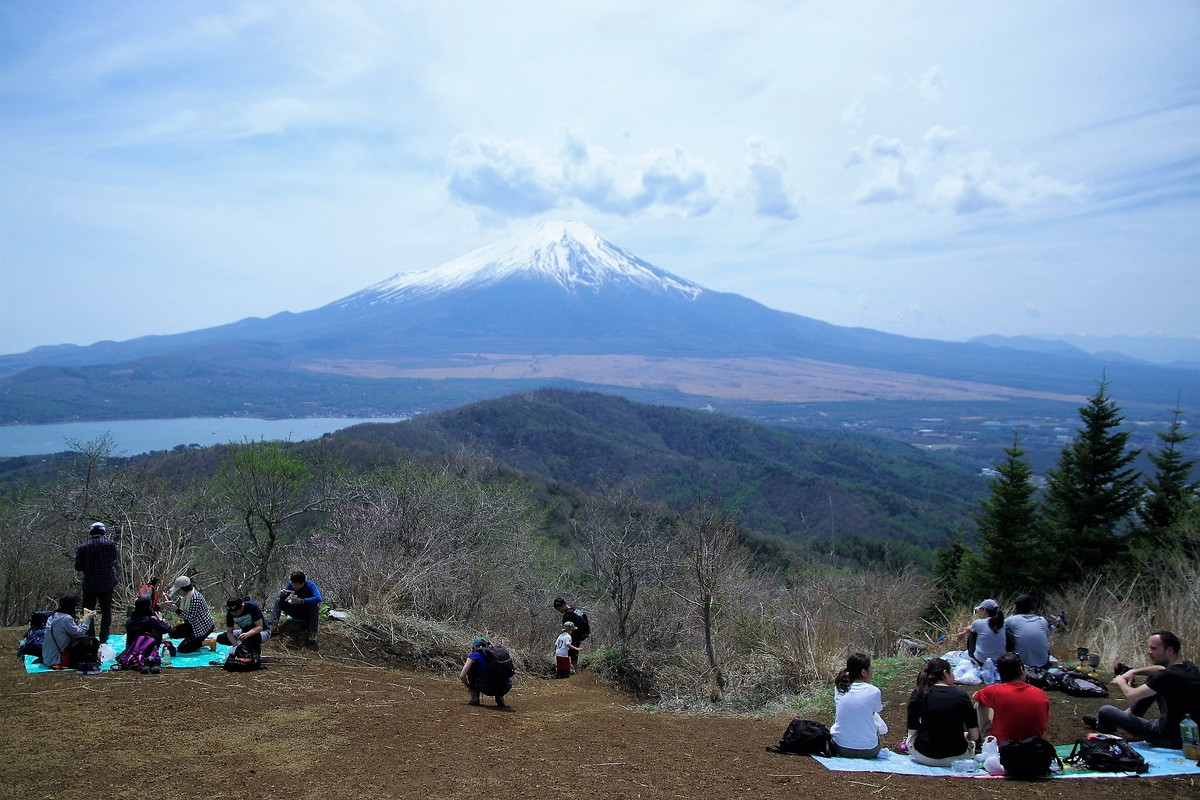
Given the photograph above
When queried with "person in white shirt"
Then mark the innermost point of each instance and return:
(562, 651)
(857, 725)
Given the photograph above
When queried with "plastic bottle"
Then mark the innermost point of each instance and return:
(989, 673)
(1189, 732)
(164, 656)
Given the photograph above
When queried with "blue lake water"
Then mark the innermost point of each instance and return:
(135, 436)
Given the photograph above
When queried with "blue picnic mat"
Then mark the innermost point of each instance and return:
(200, 658)
(1161, 761)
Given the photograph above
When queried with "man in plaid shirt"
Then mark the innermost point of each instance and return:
(97, 560)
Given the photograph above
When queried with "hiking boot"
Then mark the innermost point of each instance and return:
(474, 701)
(500, 703)
(1092, 721)
(156, 670)
(311, 642)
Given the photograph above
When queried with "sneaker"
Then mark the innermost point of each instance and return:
(155, 670)
(473, 702)
(1092, 721)
(311, 643)
(500, 703)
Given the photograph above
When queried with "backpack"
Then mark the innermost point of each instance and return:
(804, 737)
(1104, 752)
(1028, 759)
(500, 667)
(31, 644)
(1077, 684)
(141, 656)
(243, 659)
(583, 625)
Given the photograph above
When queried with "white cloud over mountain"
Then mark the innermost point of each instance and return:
(848, 163)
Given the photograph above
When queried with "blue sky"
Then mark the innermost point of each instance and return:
(936, 169)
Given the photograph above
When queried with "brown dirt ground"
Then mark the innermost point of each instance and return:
(335, 727)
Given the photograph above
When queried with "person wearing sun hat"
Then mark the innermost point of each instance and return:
(197, 623)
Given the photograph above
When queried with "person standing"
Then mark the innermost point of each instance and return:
(1173, 684)
(186, 600)
(300, 600)
(583, 627)
(97, 560)
(562, 651)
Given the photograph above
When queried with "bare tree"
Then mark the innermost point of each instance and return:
(714, 563)
(625, 545)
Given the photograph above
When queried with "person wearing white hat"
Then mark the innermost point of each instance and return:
(197, 624)
(97, 560)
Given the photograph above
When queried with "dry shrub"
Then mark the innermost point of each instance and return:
(1114, 618)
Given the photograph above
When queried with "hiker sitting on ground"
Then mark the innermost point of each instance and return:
(1173, 684)
(985, 635)
(562, 651)
(300, 600)
(1030, 632)
(583, 626)
(857, 725)
(144, 621)
(197, 623)
(942, 727)
(1011, 710)
(247, 626)
(69, 644)
(474, 676)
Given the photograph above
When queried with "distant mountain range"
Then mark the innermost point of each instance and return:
(556, 306)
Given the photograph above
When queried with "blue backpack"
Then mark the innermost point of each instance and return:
(31, 644)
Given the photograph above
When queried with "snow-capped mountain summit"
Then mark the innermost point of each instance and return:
(570, 255)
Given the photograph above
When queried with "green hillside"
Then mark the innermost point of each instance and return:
(866, 497)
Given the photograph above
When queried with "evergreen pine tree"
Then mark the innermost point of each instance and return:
(1169, 494)
(1090, 493)
(1012, 556)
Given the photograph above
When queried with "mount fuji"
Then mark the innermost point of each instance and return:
(557, 304)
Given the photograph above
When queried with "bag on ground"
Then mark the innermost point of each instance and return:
(243, 659)
(1104, 752)
(1078, 685)
(1028, 759)
(35, 635)
(140, 656)
(804, 737)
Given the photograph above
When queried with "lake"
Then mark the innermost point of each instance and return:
(135, 436)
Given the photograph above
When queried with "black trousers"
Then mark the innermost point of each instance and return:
(103, 601)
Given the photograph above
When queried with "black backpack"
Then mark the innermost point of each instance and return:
(1104, 752)
(1028, 759)
(1078, 685)
(804, 737)
(243, 659)
(500, 667)
(31, 644)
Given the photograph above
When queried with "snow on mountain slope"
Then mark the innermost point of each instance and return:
(571, 255)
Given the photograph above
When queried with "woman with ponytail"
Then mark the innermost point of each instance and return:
(857, 725)
(942, 726)
(987, 637)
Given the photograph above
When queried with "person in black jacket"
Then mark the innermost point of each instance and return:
(582, 630)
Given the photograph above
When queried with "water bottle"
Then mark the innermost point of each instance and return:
(164, 655)
(989, 673)
(1189, 732)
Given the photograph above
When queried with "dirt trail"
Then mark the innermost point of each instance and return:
(334, 728)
